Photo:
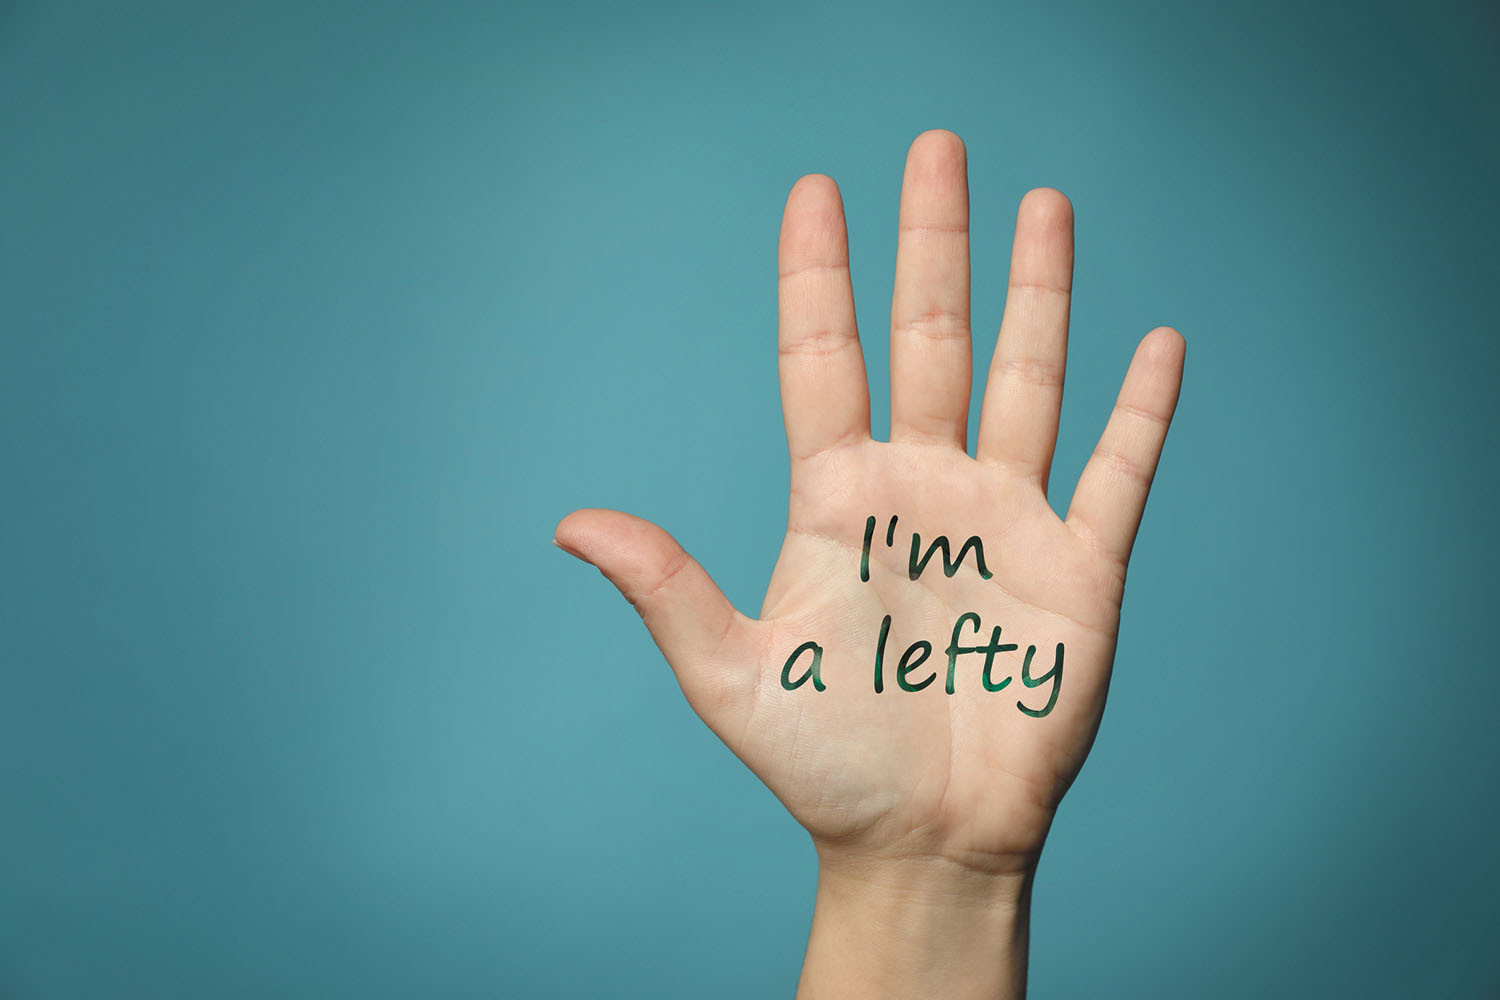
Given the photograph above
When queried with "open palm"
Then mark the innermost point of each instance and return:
(966, 766)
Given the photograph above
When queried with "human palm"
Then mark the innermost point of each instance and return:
(967, 770)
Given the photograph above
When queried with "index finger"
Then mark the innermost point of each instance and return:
(825, 397)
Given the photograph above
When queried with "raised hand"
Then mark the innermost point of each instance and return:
(940, 785)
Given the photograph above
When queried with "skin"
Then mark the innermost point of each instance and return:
(928, 810)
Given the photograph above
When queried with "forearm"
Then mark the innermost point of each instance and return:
(916, 929)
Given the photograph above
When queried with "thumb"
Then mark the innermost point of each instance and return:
(710, 646)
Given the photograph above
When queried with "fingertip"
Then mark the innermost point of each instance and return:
(813, 228)
(568, 525)
(565, 534)
(1163, 346)
(580, 532)
(945, 135)
(939, 144)
(814, 185)
(1047, 204)
(935, 186)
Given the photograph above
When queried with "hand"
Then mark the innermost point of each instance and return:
(923, 796)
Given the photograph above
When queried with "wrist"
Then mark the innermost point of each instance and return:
(916, 927)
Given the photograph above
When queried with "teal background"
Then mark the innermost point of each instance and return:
(317, 317)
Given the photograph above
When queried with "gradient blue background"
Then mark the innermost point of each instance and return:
(317, 317)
